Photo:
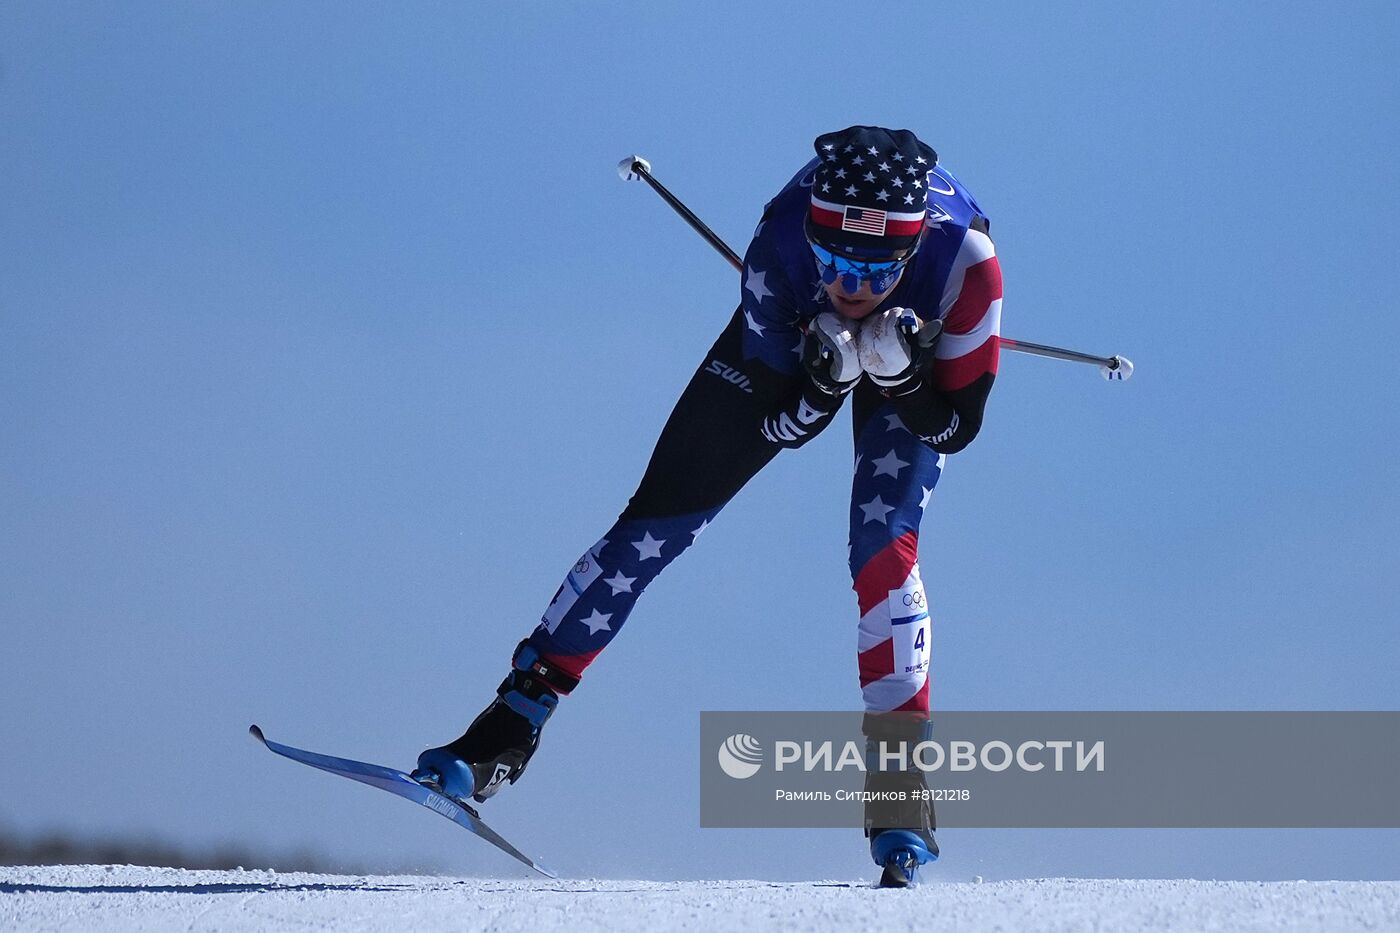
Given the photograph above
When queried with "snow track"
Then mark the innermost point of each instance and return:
(106, 897)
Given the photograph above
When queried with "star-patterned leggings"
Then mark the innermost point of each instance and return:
(709, 448)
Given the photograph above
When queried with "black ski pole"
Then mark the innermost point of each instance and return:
(634, 167)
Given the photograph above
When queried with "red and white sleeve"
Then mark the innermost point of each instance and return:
(971, 313)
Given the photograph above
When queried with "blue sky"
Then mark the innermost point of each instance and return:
(329, 338)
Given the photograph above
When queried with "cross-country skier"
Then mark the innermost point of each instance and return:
(857, 265)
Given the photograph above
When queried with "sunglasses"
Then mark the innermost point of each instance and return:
(852, 272)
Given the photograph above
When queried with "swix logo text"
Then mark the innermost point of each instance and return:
(946, 433)
(730, 374)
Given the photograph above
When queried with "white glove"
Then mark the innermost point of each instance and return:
(892, 344)
(829, 353)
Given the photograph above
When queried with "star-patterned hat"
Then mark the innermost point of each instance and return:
(870, 191)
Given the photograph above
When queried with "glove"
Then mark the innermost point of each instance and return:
(893, 347)
(829, 354)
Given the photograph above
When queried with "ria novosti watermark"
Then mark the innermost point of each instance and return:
(1062, 769)
(1030, 755)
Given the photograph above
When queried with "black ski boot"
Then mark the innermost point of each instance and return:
(498, 744)
(899, 818)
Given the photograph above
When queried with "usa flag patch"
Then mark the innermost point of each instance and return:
(864, 220)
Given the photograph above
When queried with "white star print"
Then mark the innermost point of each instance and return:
(825, 187)
(848, 149)
(840, 173)
(908, 199)
(700, 531)
(873, 151)
(869, 176)
(598, 622)
(894, 423)
(620, 584)
(851, 190)
(754, 326)
(882, 195)
(648, 547)
(889, 465)
(829, 146)
(923, 503)
(859, 458)
(913, 170)
(857, 161)
(884, 166)
(897, 181)
(875, 511)
(898, 157)
(918, 184)
(755, 286)
(921, 160)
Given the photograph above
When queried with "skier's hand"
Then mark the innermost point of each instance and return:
(893, 347)
(829, 353)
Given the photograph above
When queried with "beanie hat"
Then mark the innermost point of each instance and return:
(870, 192)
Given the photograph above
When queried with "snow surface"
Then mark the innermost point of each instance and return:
(123, 897)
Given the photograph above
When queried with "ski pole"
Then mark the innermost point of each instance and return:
(1113, 368)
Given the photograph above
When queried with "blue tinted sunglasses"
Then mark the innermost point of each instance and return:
(852, 272)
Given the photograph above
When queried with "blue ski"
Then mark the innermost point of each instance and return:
(396, 782)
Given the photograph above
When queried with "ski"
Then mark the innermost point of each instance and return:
(400, 784)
